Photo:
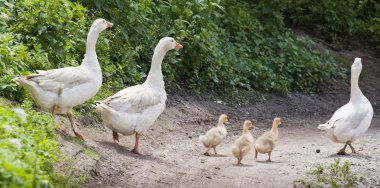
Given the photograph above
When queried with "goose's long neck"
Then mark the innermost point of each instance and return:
(355, 90)
(245, 130)
(274, 130)
(91, 58)
(155, 77)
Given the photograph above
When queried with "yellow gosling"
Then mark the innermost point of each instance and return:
(266, 142)
(243, 143)
(215, 135)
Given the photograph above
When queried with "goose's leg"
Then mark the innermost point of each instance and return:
(269, 157)
(256, 154)
(215, 150)
(343, 150)
(54, 111)
(207, 152)
(115, 136)
(74, 126)
(53, 114)
(137, 141)
(352, 148)
(240, 157)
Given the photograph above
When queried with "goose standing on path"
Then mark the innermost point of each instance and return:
(353, 119)
(59, 90)
(134, 109)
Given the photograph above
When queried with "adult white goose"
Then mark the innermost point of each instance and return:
(353, 119)
(134, 109)
(59, 90)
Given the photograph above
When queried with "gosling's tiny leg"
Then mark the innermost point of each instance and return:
(240, 157)
(269, 157)
(207, 152)
(115, 136)
(215, 150)
(352, 148)
(74, 126)
(256, 154)
(137, 141)
(343, 150)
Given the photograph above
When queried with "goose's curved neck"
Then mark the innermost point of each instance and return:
(220, 122)
(355, 90)
(274, 129)
(155, 77)
(245, 130)
(90, 58)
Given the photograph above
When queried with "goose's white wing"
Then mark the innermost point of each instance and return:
(346, 122)
(135, 99)
(339, 117)
(53, 80)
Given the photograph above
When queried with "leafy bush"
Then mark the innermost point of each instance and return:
(369, 16)
(28, 147)
(38, 35)
(332, 20)
(227, 46)
(336, 20)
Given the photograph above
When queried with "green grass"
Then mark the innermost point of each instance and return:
(334, 176)
(90, 153)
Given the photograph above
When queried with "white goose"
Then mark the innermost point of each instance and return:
(59, 90)
(353, 119)
(134, 109)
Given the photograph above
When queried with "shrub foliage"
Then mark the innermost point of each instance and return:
(227, 46)
(28, 147)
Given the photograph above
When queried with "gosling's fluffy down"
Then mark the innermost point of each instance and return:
(266, 142)
(243, 143)
(215, 135)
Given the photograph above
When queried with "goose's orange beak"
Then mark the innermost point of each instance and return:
(178, 45)
(109, 24)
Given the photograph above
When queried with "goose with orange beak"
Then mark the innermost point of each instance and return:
(59, 90)
(135, 109)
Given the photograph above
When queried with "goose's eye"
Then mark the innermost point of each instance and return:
(104, 21)
(172, 40)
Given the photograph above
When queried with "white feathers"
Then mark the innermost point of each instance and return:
(136, 108)
(353, 119)
(67, 87)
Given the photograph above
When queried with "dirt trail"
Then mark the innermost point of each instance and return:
(172, 157)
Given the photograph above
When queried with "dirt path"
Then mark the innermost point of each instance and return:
(172, 157)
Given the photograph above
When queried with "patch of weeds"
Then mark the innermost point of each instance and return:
(66, 175)
(336, 175)
(91, 154)
(69, 181)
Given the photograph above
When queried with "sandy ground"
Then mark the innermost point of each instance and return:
(172, 157)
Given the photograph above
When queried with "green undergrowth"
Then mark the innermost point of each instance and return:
(334, 176)
(29, 147)
(336, 21)
(228, 46)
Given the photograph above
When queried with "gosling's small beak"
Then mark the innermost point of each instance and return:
(227, 123)
(109, 24)
(178, 45)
